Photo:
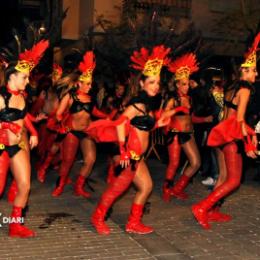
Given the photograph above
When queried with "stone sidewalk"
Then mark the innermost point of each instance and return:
(64, 231)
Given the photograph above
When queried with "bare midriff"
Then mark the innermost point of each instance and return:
(51, 103)
(143, 137)
(181, 123)
(80, 120)
(14, 139)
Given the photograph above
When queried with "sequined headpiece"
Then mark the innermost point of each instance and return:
(56, 69)
(87, 66)
(184, 66)
(30, 58)
(150, 65)
(250, 56)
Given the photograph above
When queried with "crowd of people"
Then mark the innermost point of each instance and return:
(213, 124)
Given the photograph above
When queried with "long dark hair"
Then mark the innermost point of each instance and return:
(9, 71)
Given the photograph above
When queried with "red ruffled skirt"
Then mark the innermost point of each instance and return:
(227, 131)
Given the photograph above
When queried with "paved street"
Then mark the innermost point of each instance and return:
(64, 230)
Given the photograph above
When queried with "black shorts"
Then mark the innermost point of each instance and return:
(79, 134)
(240, 146)
(12, 150)
(182, 137)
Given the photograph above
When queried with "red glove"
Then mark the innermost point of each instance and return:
(31, 117)
(124, 153)
(157, 114)
(52, 123)
(249, 146)
(15, 128)
(185, 110)
(250, 131)
(30, 126)
(98, 113)
(113, 114)
(62, 129)
(59, 117)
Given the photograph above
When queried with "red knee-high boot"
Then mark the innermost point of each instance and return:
(174, 151)
(178, 189)
(98, 219)
(4, 159)
(134, 224)
(115, 189)
(43, 141)
(79, 187)
(41, 172)
(111, 171)
(215, 215)
(234, 171)
(13, 190)
(15, 227)
(4, 165)
(69, 150)
(57, 161)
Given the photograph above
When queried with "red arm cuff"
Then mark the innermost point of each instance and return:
(249, 146)
(29, 126)
(157, 114)
(98, 113)
(124, 153)
(112, 114)
(31, 117)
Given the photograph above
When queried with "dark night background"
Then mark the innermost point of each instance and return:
(11, 16)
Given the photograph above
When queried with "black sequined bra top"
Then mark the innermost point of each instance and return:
(143, 122)
(10, 114)
(78, 106)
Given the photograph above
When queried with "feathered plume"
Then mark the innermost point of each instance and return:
(30, 58)
(34, 55)
(184, 66)
(254, 45)
(87, 66)
(150, 65)
(88, 62)
(250, 56)
(57, 68)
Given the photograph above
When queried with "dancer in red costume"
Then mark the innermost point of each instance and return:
(28, 144)
(131, 131)
(227, 135)
(58, 131)
(47, 136)
(180, 130)
(80, 107)
(50, 102)
(13, 118)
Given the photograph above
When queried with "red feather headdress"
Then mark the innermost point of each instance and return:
(57, 69)
(30, 58)
(87, 66)
(184, 66)
(250, 56)
(150, 65)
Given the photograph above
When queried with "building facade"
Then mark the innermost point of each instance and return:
(222, 23)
